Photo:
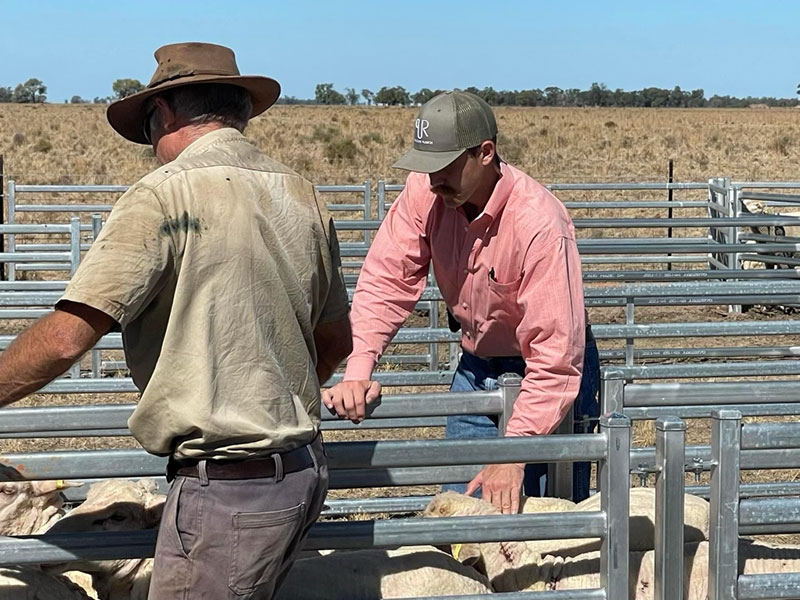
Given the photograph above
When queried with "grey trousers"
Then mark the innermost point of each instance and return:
(235, 538)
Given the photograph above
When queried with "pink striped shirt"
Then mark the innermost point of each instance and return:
(512, 278)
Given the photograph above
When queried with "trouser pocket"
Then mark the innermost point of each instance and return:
(260, 541)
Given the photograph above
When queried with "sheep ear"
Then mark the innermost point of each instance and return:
(48, 487)
(154, 509)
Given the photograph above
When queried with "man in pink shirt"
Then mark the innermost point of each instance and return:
(504, 255)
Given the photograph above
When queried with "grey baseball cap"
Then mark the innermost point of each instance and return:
(447, 125)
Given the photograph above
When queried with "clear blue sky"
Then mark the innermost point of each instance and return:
(725, 47)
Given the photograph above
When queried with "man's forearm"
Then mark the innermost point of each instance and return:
(333, 343)
(42, 353)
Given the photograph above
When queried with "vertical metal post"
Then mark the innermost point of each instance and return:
(509, 384)
(559, 475)
(455, 356)
(733, 237)
(12, 245)
(670, 463)
(669, 210)
(2, 215)
(615, 503)
(629, 320)
(612, 391)
(97, 225)
(723, 534)
(381, 199)
(74, 244)
(75, 260)
(367, 210)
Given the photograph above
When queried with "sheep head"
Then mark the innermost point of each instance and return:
(29, 507)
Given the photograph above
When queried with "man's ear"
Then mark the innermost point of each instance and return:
(167, 119)
(488, 151)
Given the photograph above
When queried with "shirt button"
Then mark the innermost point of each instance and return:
(466, 228)
(463, 305)
(468, 334)
(466, 270)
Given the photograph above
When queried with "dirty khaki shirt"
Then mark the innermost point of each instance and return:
(218, 266)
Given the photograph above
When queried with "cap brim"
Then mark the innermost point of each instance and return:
(426, 162)
(126, 116)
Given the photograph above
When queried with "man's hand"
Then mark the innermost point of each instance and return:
(349, 399)
(501, 485)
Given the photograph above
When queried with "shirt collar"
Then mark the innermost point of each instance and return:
(501, 193)
(201, 144)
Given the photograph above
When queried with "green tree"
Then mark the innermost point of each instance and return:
(6, 95)
(77, 100)
(553, 96)
(422, 96)
(393, 96)
(32, 90)
(325, 94)
(351, 95)
(123, 88)
(489, 95)
(367, 95)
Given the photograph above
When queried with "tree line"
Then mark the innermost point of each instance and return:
(598, 94)
(33, 90)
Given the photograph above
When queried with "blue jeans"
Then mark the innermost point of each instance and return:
(474, 374)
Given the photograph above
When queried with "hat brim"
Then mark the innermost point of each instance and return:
(420, 161)
(126, 116)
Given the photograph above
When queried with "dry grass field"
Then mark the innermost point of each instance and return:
(73, 144)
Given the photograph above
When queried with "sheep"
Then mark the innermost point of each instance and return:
(372, 574)
(28, 583)
(642, 517)
(583, 571)
(29, 507)
(515, 566)
(115, 505)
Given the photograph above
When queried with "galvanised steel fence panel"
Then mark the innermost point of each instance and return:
(733, 446)
(611, 446)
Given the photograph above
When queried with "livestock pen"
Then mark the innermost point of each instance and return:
(624, 276)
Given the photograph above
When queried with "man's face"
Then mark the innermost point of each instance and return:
(457, 182)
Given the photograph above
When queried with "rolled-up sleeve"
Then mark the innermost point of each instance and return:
(551, 336)
(390, 284)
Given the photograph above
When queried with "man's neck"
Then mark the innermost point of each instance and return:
(172, 144)
(477, 203)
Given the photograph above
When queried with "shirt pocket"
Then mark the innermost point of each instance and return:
(502, 302)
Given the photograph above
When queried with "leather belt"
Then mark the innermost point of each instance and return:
(252, 468)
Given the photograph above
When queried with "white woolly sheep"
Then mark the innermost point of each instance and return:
(29, 507)
(116, 505)
(372, 574)
(27, 583)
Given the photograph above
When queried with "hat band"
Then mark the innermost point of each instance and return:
(192, 73)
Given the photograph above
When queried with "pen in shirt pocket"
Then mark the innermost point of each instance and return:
(491, 274)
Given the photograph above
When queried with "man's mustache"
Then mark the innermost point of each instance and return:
(443, 190)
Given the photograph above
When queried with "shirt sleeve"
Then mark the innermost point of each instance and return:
(390, 284)
(336, 305)
(127, 263)
(551, 337)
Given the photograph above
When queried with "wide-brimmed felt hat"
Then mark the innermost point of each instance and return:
(447, 125)
(189, 63)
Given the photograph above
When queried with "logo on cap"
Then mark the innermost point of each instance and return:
(421, 126)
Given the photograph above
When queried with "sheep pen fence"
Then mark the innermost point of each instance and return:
(630, 266)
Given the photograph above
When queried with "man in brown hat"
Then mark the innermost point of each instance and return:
(505, 257)
(221, 268)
